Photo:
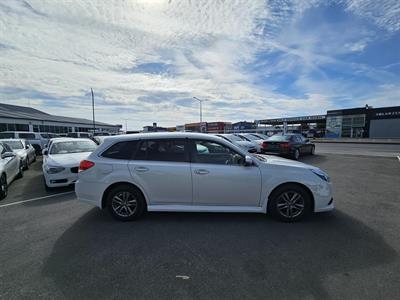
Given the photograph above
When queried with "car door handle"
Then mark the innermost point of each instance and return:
(141, 169)
(201, 171)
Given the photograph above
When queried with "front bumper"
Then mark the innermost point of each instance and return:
(64, 178)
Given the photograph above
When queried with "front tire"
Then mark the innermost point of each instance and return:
(289, 203)
(21, 170)
(26, 167)
(3, 187)
(125, 203)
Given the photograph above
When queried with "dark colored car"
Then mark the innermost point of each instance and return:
(292, 145)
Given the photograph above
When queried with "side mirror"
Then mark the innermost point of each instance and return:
(27, 147)
(7, 154)
(248, 160)
(45, 152)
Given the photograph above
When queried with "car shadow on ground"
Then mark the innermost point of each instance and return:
(225, 256)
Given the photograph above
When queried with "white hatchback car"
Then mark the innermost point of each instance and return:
(194, 172)
(61, 160)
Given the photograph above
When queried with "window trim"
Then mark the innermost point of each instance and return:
(192, 148)
(117, 142)
(186, 152)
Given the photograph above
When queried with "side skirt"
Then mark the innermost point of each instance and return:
(205, 208)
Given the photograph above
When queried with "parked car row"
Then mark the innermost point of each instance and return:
(130, 174)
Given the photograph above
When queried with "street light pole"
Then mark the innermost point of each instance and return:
(201, 107)
(94, 122)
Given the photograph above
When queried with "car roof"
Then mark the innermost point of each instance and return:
(11, 140)
(162, 135)
(68, 139)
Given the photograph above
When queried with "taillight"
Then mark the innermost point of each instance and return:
(284, 145)
(85, 164)
(264, 145)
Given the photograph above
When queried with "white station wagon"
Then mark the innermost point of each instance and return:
(193, 172)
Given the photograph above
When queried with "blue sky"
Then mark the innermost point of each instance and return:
(146, 59)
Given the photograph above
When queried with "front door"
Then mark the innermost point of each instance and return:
(161, 167)
(220, 177)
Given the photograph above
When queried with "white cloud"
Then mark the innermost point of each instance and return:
(63, 48)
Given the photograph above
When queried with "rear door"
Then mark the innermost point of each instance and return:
(220, 177)
(161, 167)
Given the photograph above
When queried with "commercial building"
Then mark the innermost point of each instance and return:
(22, 118)
(210, 127)
(360, 122)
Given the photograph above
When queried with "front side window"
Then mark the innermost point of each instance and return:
(73, 147)
(121, 150)
(209, 152)
(28, 136)
(162, 150)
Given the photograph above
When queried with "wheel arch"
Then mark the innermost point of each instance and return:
(115, 184)
(303, 186)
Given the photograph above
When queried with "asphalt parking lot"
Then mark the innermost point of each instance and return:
(55, 247)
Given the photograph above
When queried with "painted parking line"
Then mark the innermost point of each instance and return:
(35, 199)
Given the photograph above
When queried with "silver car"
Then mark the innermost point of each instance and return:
(10, 168)
(23, 149)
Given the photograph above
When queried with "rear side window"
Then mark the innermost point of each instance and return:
(121, 150)
(6, 135)
(163, 150)
(28, 136)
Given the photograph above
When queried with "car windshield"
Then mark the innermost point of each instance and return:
(15, 145)
(232, 137)
(72, 147)
(279, 138)
(45, 135)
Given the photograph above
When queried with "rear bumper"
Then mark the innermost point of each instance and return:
(89, 192)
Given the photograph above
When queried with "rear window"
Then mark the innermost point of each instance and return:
(121, 150)
(279, 138)
(6, 135)
(28, 136)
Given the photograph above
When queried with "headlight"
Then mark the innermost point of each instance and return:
(321, 174)
(54, 169)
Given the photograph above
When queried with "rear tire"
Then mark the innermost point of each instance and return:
(289, 203)
(312, 150)
(125, 203)
(3, 187)
(296, 154)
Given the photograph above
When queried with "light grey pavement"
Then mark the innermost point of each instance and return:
(58, 248)
(381, 150)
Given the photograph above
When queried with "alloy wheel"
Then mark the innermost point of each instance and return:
(290, 204)
(124, 204)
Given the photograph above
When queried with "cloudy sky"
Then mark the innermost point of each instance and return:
(146, 59)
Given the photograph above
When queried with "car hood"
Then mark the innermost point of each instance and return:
(20, 152)
(280, 161)
(68, 159)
